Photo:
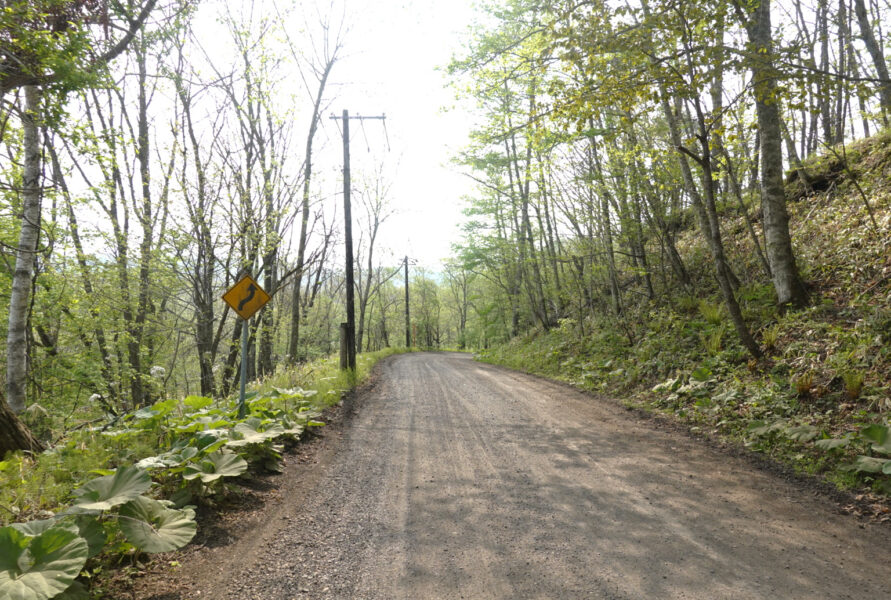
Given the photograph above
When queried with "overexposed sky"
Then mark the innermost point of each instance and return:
(393, 63)
(389, 66)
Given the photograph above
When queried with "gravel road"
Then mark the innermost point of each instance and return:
(454, 479)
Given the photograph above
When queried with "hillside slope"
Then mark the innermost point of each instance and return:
(821, 399)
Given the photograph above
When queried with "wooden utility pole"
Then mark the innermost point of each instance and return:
(407, 318)
(348, 337)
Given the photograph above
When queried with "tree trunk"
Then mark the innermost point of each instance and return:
(708, 222)
(16, 338)
(878, 58)
(824, 84)
(203, 270)
(606, 228)
(146, 218)
(786, 280)
(294, 337)
(14, 435)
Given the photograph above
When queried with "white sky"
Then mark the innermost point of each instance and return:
(389, 66)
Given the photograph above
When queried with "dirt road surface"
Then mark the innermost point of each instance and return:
(454, 479)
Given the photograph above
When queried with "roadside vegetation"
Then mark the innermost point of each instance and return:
(111, 491)
(151, 155)
(685, 206)
(820, 397)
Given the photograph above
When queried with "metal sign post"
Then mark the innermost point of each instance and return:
(243, 378)
(245, 297)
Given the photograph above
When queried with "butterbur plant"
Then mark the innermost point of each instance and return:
(202, 443)
(878, 438)
(42, 559)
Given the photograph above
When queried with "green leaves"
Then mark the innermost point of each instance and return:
(832, 443)
(869, 464)
(215, 466)
(197, 402)
(169, 459)
(760, 428)
(701, 374)
(879, 436)
(41, 566)
(152, 526)
(88, 527)
(41, 559)
(670, 385)
(107, 492)
(252, 432)
(802, 433)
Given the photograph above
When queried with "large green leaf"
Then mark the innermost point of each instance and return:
(197, 402)
(34, 528)
(295, 429)
(832, 443)
(802, 433)
(868, 464)
(875, 433)
(172, 458)
(760, 428)
(251, 432)
(701, 374)
(76, 591)
(42, 566)
(92, 531)
(205, 422)
(880, 436)
(88, 527)
(152, 462)
(152, 526)
(107, 492)
(216, 465)
(145, 413)
(210, 440)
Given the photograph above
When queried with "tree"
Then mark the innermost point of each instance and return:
(787, 282)
(373, 199)
(40, 45)
(327, 52)
(16, 436)
(48, 42)
(878, 57)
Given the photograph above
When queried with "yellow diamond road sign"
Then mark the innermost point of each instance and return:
(246, 297)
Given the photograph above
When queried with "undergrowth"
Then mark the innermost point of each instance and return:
(130, 484)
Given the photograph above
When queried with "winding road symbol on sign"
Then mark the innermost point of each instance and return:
(246, 297)
(252, 291)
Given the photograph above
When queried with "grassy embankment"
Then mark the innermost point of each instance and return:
(36, 487)
(821, 399)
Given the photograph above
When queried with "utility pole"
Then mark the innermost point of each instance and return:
(407, 318)
(348, 329)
